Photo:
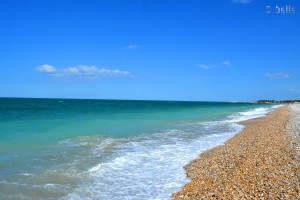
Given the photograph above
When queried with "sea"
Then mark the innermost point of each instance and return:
(108, 149)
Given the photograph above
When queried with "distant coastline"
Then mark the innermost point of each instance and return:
(276, 102)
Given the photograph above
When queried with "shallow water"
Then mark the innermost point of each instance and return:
(104, 149)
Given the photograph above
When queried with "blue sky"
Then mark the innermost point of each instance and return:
(203, 50)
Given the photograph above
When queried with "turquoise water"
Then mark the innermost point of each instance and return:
(108, 149)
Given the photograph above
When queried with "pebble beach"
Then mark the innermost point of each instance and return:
(261, 162)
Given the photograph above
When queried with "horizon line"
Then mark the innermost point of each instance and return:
(71, 98)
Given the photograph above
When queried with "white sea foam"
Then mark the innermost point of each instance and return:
(255, 113)
(148, 168)
(151, 167)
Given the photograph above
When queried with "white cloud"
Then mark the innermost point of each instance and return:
(81, 71)
(46, 68)
(204, 66)
(132, 46)
(227, 63)
(278, 75)
(293, 90)
(241, 1)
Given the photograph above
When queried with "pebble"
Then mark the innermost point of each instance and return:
(261, 162)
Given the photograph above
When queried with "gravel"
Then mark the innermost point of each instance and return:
(293, 127)
(261, 162)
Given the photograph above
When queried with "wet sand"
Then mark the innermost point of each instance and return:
(261, 162)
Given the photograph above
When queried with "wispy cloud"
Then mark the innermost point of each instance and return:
(80, 71)
(278, 75)
(241, 1)
(46, 69)
(293, 90)
(204, 66)
(225, 63)
(132, 47)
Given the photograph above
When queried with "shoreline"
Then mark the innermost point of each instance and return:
(260, 162)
